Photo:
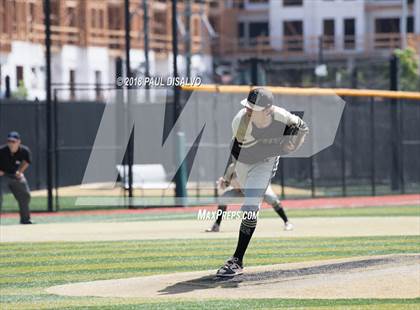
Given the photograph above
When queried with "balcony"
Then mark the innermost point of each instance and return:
(112, 39)
(308, 47)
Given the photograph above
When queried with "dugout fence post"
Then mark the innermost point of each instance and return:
(395, 134)
(216, 137)
(49, 164)
(343, 154)
(56, 152)
(281, 164)
(372, 145)
(401, 145)
(38, 143)
(312, 175)
(130, 146)
(180, 186)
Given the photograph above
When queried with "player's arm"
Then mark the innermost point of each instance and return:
(224, 181)
(25, 164)
(298, 130)
(289, 119)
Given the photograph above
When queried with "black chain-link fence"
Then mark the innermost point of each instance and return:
(365, 158)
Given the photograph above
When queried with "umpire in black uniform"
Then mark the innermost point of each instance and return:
(14, 160)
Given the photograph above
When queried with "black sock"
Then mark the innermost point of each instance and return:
(247, 228)
(280, 211)
(220, 214)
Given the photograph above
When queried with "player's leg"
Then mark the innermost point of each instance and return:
(221, 209)
(20, 190)
(257, 180)
(271, 198)
(230, 193)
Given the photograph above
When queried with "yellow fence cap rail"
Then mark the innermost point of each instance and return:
(307, 91)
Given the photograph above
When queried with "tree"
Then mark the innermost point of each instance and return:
(21, 92)
(409, 69)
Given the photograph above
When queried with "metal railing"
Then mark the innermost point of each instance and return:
(299, 45)
(353, 165)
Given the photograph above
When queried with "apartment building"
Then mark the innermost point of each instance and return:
(297, 29)
(87, 38)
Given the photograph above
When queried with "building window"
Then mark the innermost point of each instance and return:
(214, 22)
(34, 78)
(32, 13)
(238, 4)
(410, 24)
(241, 30)
(258, 29)
(101, 19)
(3, 21)
(328, 33)
(159, 23)
(55, 12)
(72, 82)
(19, 75)
(114, 17)
(258, 33)
(292, 2)
(214, 4)
(387, 25)
(93, 18)
(97, 18)
(293, 35)
(71, 17)
(387, 33)
(349, 33)
(241, 33)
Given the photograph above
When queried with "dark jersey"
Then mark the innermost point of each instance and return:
(9, 163)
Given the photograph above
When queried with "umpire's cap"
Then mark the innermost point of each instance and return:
(258, 99)
(13, 136)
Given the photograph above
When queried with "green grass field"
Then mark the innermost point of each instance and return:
(28, 268)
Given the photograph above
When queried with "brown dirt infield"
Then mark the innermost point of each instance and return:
(193, 229)
(388, 276)
(111, 189)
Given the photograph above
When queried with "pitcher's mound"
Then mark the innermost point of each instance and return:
(389, 276)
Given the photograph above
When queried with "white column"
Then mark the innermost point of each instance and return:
(417, 16)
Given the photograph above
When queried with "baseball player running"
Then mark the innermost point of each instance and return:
(258, 141)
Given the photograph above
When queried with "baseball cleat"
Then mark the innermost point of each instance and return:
(288, 226)
(214, 228)
(232, 267)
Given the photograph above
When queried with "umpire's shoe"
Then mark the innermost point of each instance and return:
(232, 267)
